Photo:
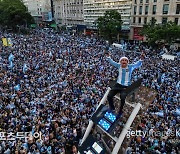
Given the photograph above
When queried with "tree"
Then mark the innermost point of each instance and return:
(109, 25)
(14, 13)
(164, 33)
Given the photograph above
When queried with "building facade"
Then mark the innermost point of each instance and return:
(68, 12)
(145, 11)
(39, 9)
(96, 8)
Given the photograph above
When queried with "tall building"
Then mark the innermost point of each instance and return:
(39, 9)
(95, 8)
(68, 12)
(145, 11)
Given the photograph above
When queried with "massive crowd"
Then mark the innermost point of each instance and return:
(65, 78)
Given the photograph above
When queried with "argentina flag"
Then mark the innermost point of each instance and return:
(178, 85)
(11, 57)
(17, 87)
(11, 64)
(160, 114)
(178, 111)
(163, 77)
(25, 68)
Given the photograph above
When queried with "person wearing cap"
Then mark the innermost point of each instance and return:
(123, 81)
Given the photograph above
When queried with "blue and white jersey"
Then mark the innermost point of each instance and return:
(124, 77)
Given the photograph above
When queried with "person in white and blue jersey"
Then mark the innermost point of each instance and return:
(123, 81)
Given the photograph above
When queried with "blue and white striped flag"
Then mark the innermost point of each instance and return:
(68, 50)
(178, 111)
(178, 85)
(160, 114)
(25, 68)
(11, 57)
(163, 77)
(11, 64)
(17, 87)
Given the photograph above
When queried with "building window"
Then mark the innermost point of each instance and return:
(139, 20)
(134, 19)
(155, 1)
(153, 20)
(164, 20)
(145, 20)
(166, 0)
(146, 9)
(135, 7)
(141, 1)
(135, 1)
(165, 8)
(147, 1)
(154, 9)
(140, 10)
(176, 21)
(178, 9)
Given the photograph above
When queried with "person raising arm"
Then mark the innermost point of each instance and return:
(124, 79)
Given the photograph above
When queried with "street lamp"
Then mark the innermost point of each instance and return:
(52, 9)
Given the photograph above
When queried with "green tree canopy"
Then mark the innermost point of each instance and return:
(13, 13)
(109, 25)
(166, 33)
